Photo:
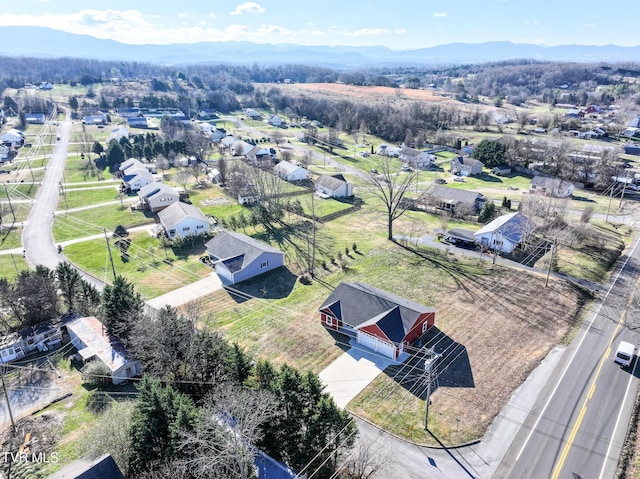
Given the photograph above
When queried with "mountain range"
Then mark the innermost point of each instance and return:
(41, 42)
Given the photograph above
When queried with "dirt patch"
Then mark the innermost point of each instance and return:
(376, 94)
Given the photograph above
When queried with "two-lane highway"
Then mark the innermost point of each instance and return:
(577, 427)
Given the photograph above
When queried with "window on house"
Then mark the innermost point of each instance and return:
(424, 327)
(264, 264)
(172, 232)
(186, 228)
(200, 227)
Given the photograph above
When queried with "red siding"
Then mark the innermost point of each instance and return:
(329, 321)
(374, 330)
(416, 331)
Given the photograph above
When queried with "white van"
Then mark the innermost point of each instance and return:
(624, 354)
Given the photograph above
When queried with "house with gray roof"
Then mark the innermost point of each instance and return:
(456, 201)
(416, 158)
(93, 340)
(290, 171)
(157, 196)
(505, 232)
(333, 186)
(465, 166)
(182, 219)
(382, 321)
(550, 186)
(238, 257)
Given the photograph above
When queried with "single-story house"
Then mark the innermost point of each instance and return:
(117, 133)
(416, 158)
(593, 109)
(275, 120)
(157, 196)
(505, 232)
(549, 186)
(131, 112)
(182, 219)
(468, 149)
(248, 196)
(236, 147)
(333, 186)
(260, 156)
(207, 114)
(214, 176)
(135, 174)
(35, 118)
(91, 339)
(45, 85)
(216, 135)
(388, 150)
(137, 122)
(13, 138)
(238, 257)
(97, 119)
(628, 148)
(381, 321)
(251, 113)
(460, 236)
(456, 200)
(42, 337)
(290, 172)
(5, 153)
(466, 166)
(501, 170)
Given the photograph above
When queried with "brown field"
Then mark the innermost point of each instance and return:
(377, 94)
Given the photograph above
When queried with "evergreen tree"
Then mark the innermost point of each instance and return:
(490, 152)
(487, 213)
(122, 307)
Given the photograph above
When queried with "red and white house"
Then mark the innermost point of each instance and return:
(381, 321)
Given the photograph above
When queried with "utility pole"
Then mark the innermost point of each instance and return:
(606, 219)
(6, 397)
(14, 264)
(553, 249)
(10, 205)
(113, 268)
(429, 368)
(624, 187)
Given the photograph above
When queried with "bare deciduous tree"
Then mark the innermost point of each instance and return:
(391, 186)
(183, 177)
(366, 461)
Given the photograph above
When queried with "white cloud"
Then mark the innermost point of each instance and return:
(440, 14)
(400, 31)
(365, 32)
(248, 7)
(183, 15)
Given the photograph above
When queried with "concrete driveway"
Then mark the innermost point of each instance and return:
(352, 372)
(187, 293)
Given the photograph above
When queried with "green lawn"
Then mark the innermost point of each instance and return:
(153, 269)
(10, 266)
(74, 171)
(89, 222)
(76, 197)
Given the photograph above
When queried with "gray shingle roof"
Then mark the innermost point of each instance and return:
(177, 212)
(236, 250)
(104, 467)
(152, 189)
(454, 195)
(330, 182)
(359, 305)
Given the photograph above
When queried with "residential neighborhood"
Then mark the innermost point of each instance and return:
(276, 266)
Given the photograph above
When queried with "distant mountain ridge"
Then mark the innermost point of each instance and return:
(44, 42)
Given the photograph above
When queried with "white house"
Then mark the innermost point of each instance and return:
(333, 186)
(157, 196)
(505, 232)
(36, 118)
(388, 150)
(239, 257)
(248, 196)
(135, 174)
(13, 138)
(290, 172)
(549, 186)
(181, 219)
(91, 339)
(465, 166)
(117, 133)
(42, 337)
(416, 158)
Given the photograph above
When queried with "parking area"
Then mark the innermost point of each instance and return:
(345, 377)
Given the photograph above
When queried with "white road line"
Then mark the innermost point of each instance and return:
(595, 315)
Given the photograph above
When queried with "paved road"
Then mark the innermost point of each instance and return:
(577, 427)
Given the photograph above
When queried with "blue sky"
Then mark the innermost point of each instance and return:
(397, 24)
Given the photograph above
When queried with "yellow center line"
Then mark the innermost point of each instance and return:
(592, 388)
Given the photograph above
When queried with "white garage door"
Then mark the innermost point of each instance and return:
(379, 346)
